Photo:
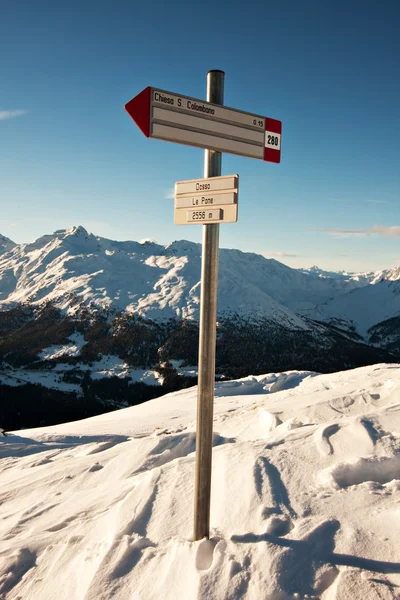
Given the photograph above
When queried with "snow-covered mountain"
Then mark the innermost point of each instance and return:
(365, 307)
(386, 275)
(348, 278)
(305, 496)
(6, 244)
(72, 266)
(355, 278)
(371, 309)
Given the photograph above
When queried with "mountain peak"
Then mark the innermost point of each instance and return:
(6, 244)
(392, 274)
(76, 230)
(183, 247)
(75, 237)
(148, 241)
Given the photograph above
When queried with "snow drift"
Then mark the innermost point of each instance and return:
(305, 496)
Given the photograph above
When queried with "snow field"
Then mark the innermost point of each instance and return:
(305, 496)
(107, 366)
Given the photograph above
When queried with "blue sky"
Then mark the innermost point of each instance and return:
(328, 69)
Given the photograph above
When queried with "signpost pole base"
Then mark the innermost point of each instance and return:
(207, 338)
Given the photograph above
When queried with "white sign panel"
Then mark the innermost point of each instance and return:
(223, 214)
(210, 184)
(206, 214)
(213, 200)
(273, 140)
(196, 123)
(206, 200)
(172, 101)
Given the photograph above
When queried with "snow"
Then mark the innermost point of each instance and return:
(305, 496)
(107, 366)
(6, 244)
(49, 379)
(354, 278)
(366, 306)
(188, 370)
(72, 349)
(351, 279)
(113, 366)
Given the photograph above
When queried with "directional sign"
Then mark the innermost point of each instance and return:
(177, 118)
(208, 185)
(212, 200)
(205, 199)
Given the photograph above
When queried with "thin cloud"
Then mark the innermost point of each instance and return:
(279, 254)
(393, 231)
(341, 233)
(378, 202)
(11, 114)
(379, 230)
(170, 194)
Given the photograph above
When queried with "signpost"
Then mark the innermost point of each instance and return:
(212, 200)
(177, 118)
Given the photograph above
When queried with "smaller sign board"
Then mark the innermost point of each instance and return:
(206, 200)
(210, 184)
(212, 200)
(206, 214)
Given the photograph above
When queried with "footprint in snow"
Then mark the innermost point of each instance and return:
(63, 524)
(269, 485)
(207, 552)
(322, 438)
(279, 525)
(379, 469)
(172, 447)
(303, 566)
(18, 566)
(95, 467)
(359, 436)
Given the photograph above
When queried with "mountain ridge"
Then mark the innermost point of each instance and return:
(42, 264)
(74, 269)
(6, 244)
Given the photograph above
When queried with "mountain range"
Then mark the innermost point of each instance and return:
(72, 268)
(72, 303)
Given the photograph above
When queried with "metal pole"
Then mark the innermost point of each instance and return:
(207, 337)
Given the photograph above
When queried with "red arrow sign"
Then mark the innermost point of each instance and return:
(139, 109)
(193, 122)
